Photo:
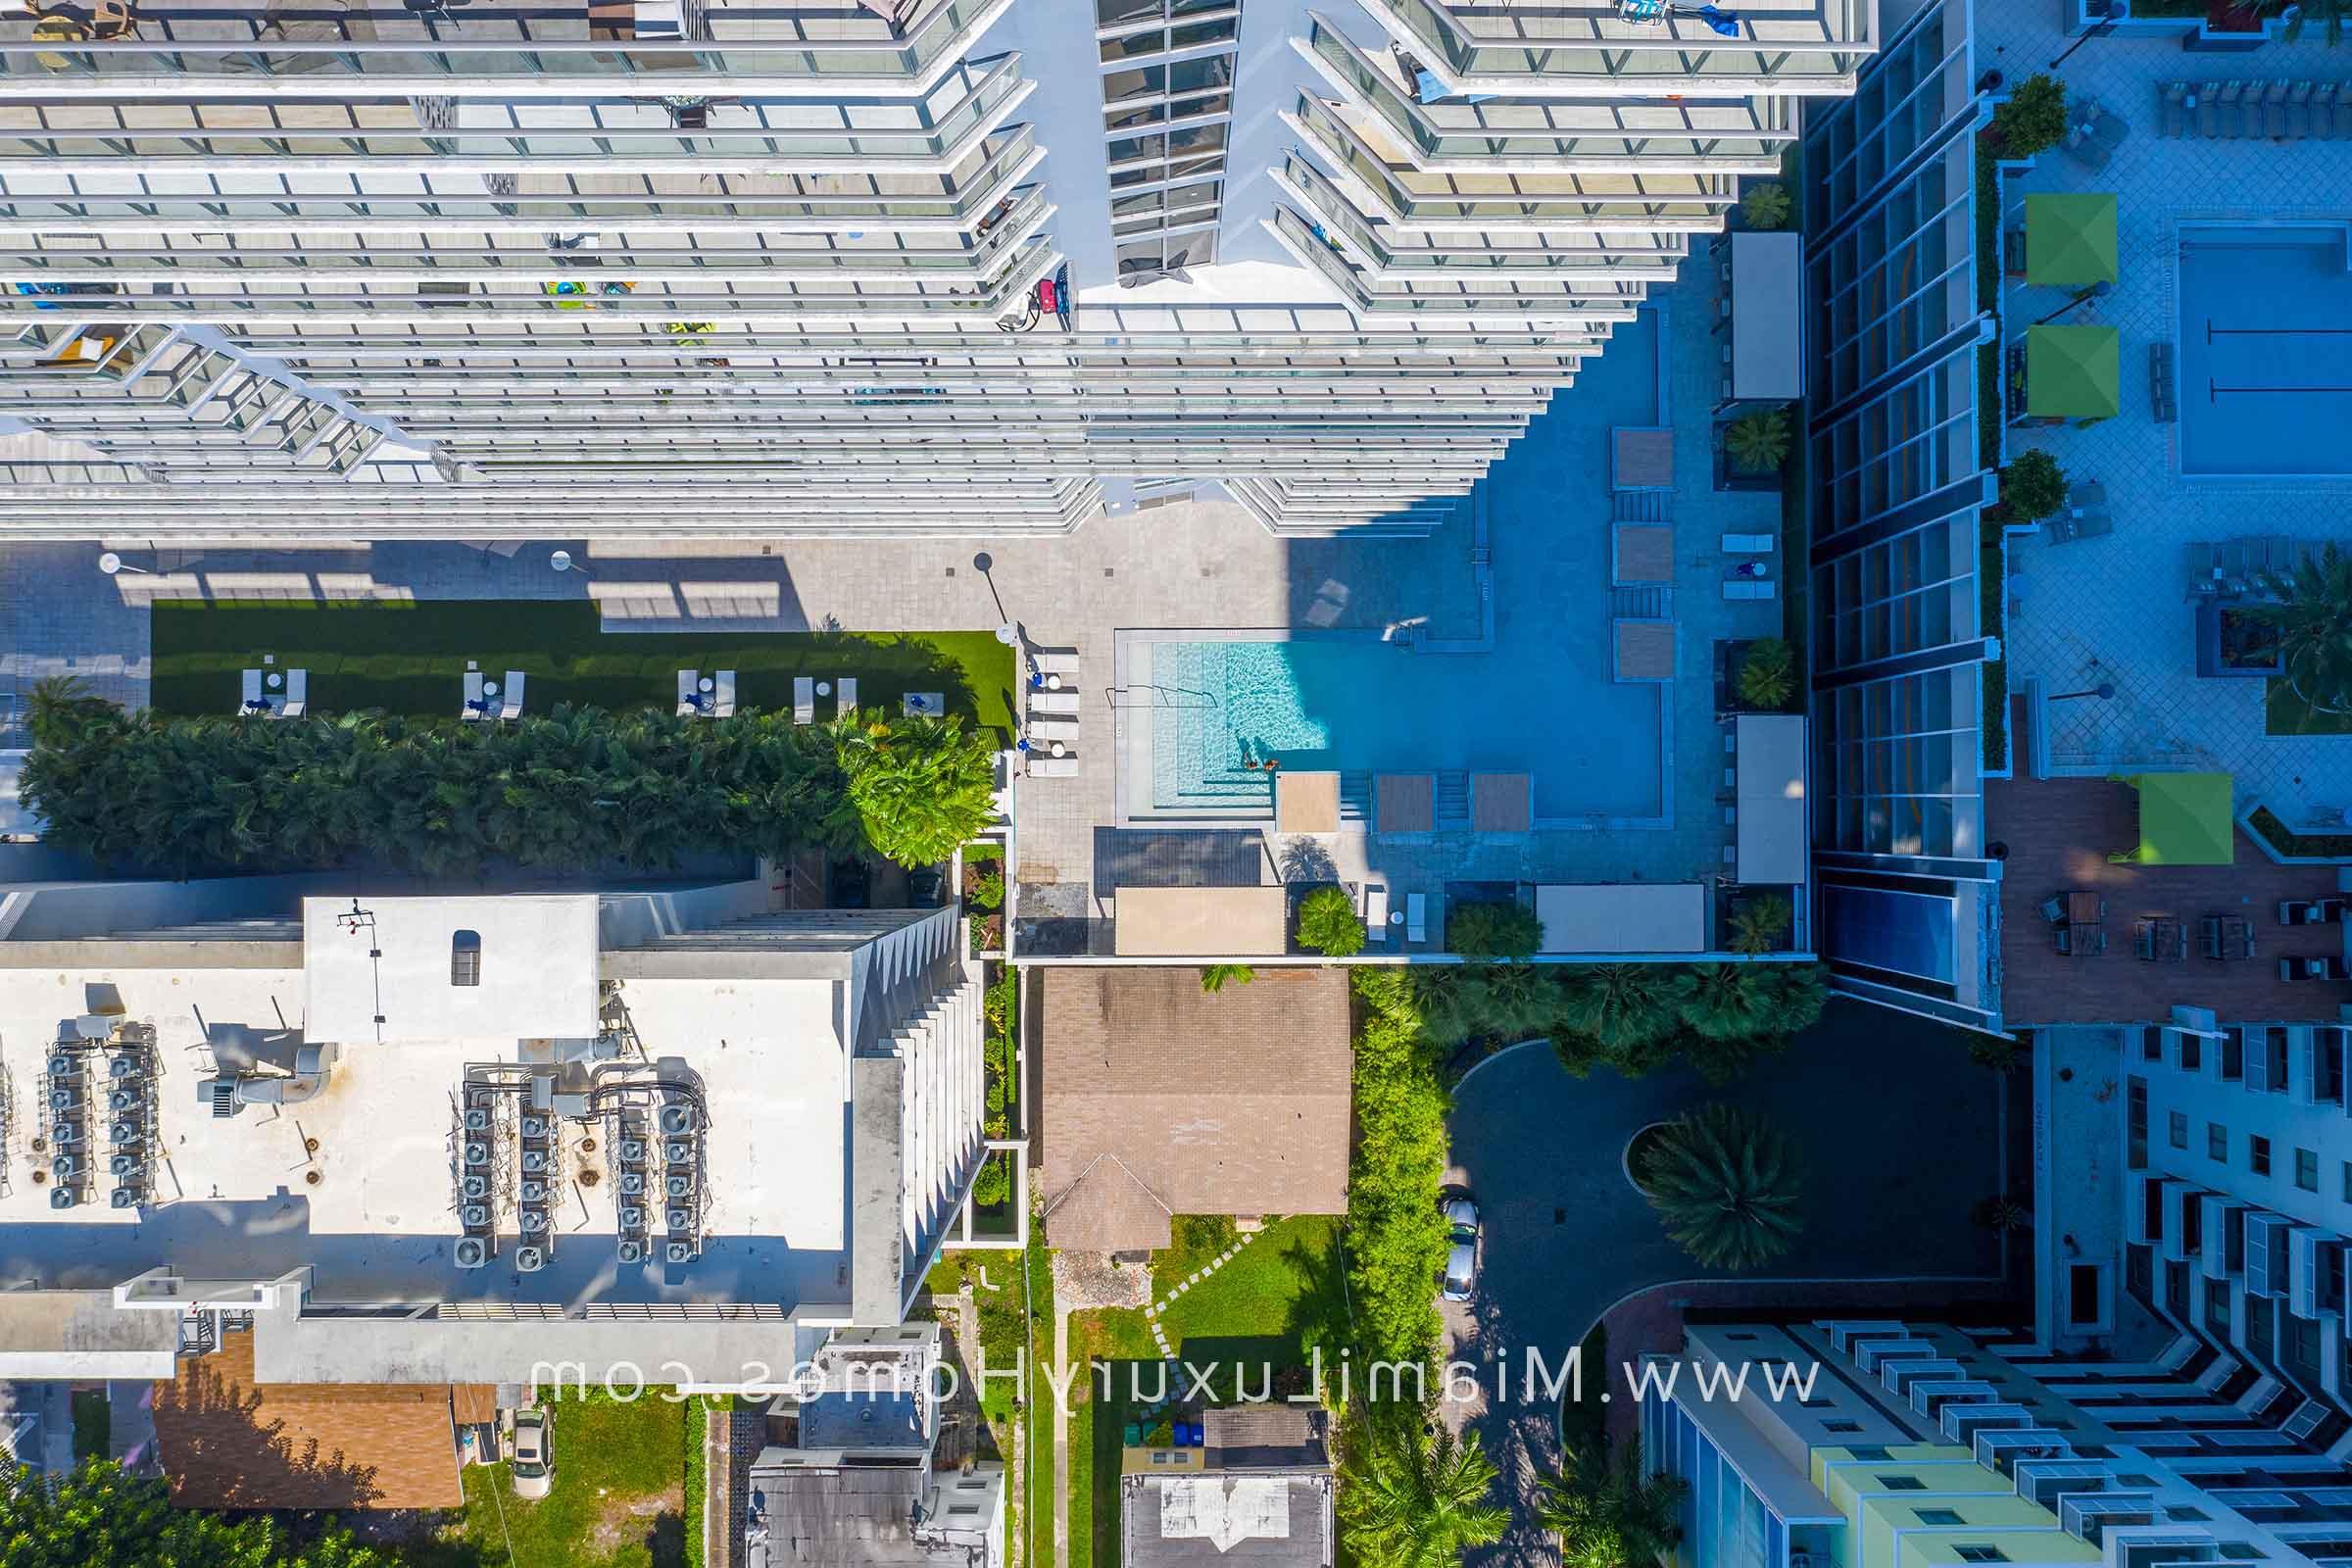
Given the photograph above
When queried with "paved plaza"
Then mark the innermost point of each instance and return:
(1547, 514)
(2112, 610)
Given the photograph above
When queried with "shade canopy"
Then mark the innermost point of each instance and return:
(2074, 373)
(2069, 239)
(2185, 820)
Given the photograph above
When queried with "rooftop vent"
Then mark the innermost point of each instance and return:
(472, 1252)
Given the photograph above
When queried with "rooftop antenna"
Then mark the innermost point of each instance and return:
(356, 922)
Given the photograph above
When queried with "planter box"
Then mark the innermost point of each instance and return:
(1728, 477)
(2231, 645)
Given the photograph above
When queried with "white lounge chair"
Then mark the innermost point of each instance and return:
(1055, 663)
(1053, 766)
(1416, 917)
(1748, 544)
(723, 701)
(1052, 729)
(1376, 913)
(298, 695)
(845, 697)
(473, 707)
(250, 698)
(1062, 703)
(510, 694)
(804, 698)
(690, 695)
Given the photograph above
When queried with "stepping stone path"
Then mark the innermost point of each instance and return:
(1151, 1313)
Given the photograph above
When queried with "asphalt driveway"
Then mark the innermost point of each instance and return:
(1901, 1132)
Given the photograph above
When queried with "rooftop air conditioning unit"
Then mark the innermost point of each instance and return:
(681, 1251)
(534, 1126)
(477, 1119)
(123, 1066)
(477, 1154)
(472, 1251)
(66, 1132)
(529, 1259)
(121, 1099)
(125, 1198)
(535, 1219)
(123, 1164)
(632, 1251)
(632, 1182)
(678, 1119)
(534, 1159)
(679, 1186)
(632, 1150)
(60, 1098)
(632, 1219)
(677, 1151)
(123, 1132)
(62, 1198)
(62, 1065)
(65, 1167)
(477, 1187)
(475, 1216)
(534, 1192)
(679, 1219)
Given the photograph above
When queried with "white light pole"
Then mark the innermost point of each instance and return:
(112, 564)
(561, 560)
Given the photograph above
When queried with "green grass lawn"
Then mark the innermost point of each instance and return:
(619, 1499)
(2285, 714)
(93, 1423)
(1276, 1294)
(408, 657)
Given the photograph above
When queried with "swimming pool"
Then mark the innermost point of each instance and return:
(2266, 351)
(1353, 704)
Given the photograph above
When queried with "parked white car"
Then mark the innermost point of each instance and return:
(1461, 1256)
(534, 1459)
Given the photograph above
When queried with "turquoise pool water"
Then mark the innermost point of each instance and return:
(1354, 705)
(2266, 350)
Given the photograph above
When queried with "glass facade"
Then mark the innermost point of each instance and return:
(1895, 480)
(1725, 1523)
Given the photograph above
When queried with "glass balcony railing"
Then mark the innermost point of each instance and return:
(539, 52)
(1428, 201)
(1501, 296)
(1604, 259)
(1532, 49)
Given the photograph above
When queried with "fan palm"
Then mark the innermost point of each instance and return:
(1217, 976)
(1612, 1515)
(1758, 443)
(1416, 1500)
(1767, 673)
(1722, 1001)
(1623, 1007)
(1728, 1186)
(1794, 996)
(1759, 925)
(2313, 617)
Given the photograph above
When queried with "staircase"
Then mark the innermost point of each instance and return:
(1355, 800)
(1451, 800)
(1642, 506)
(1642, 602)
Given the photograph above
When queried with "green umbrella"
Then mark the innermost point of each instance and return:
(2185, 820)
(2069, 239)
(2074, 373)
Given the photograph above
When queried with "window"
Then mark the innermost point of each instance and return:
(1938, 1516)
(2186, 1515)
(2307, 1170)
(1167, 139)
(1870, 1455)
(1979, 1552)
(2177, 1129)
(2258, 1154)
(2217, 1147)
(1902, 1484)
(2347, 1177)
(1841, 1426)
(465, 958)
(2151, 1044)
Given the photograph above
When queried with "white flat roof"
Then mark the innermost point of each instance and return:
(1767, 316)
(1623, 917)
(381, 969)
(1772, 798)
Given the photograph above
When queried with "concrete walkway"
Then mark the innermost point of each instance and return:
(1062, 1440)
(1151, 1313)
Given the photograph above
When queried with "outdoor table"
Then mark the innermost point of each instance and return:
(926, 705)
(2086, 925)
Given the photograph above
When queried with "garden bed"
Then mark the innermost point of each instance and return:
(2283, 713)
(2266, 826)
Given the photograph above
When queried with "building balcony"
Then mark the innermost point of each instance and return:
(1798, 48)
(1601, 203)
(1373, 292)
(1731, 136)
(335, 48)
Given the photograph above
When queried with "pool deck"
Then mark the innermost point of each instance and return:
(2111, 610)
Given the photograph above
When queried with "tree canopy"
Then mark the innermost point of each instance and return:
(96, 1516)
(1611, 1515)
(1415, 1499)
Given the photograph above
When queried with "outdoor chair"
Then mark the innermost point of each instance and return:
(2093, 525)
(2053, 908)
(2172, 101)
(2237, 565)
(2013, 252)
(2160, 405)
(2298, 110)
(1376, 913)
(298, 695)
(2232, 103)
(474, 706)
(510, 694)
(1056, 703)
(690, 692)
(250, 698)
(1416, 917)
(844, 697)
(2208, 112)
(2202, 568)
(1052, 729)
(804, 698)
(1053, 766)
(723, 701)
(2273, 111)
(2323, 111)
(1055, 663)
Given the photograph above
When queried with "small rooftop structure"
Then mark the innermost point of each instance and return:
(2185, 820)
(1644, 553)
(1188, 922)
(80, 1334)
(1767, 300)
(508, 966)
(1641, 458)
(1266, 1521)
(1645, 649)
(1163, 1098)
(1773, 836)
(1306, 803)
(230, 1442)
(1585, 917)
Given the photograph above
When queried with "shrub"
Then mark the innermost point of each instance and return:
(1758, 442)
(988, 891)
(1494, 931)
(1765, 206)
(1329, 924)
(1396, 1237)
(2033, 120)
(2032, 486)
(918, 787)
(1767, 674)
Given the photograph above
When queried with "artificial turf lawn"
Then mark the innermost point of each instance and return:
(408, 656)
(610, 1456)
(2285, 714)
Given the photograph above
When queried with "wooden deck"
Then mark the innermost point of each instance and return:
(2060, 833)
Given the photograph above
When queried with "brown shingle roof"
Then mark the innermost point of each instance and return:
(1232, 1104)
(229, 1443)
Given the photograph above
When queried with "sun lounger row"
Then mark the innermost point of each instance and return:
(488, 698)
(713, 697)
(278, 694)
(1049, 716)
(2242, 111)
(2236, 567)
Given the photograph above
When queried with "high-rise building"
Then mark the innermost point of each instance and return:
(450, 268)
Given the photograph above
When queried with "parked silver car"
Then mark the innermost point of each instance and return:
(534, 1458)
(1461, 1256)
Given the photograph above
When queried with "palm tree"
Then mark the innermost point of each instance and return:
(1612, 1515)
(1759, 925)
(1410, 1499)
(1758, 443)
(1624, 1006)
(1217, 976)
(1728, 1185)
(1767, 674)
(918, 787)
(1722, 1001)
(1794, 996)
(2313, 617)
